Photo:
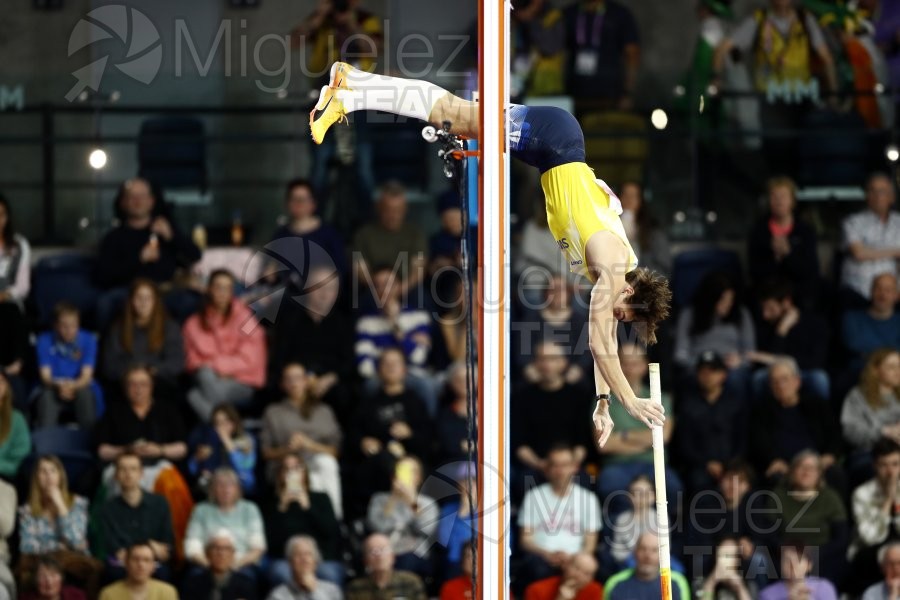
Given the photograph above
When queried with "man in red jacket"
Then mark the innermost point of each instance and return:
(576, 583)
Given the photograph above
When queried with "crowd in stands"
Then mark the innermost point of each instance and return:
(325, 453)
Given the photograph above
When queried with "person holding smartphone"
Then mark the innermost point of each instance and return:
(296, 510)
(408, 517)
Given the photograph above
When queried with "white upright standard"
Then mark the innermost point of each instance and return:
(493, 347)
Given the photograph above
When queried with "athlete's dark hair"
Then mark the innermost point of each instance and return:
(650, 302)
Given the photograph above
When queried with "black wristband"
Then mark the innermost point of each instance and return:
(600, 397)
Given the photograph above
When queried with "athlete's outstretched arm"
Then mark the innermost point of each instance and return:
(606, 257)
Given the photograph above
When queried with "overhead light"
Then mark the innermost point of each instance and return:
(659, 118)
(680, 91)
(892, 153)
(97, 159)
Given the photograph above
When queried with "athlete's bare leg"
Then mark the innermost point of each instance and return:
(462, 114)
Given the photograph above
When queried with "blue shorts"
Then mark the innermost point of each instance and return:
(544, 136)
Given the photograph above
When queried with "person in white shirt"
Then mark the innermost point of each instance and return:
(871, 240)
(876, 510)
(558, 519)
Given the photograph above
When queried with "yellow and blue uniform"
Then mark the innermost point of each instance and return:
(578, 205)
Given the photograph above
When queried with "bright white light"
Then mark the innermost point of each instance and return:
(680, 91)
(680, 217)
(702, 103)
(879, 88)
(97, 159)
(659, 118)
(892, 153)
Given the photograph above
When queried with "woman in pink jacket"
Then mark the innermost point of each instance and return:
(225, 347)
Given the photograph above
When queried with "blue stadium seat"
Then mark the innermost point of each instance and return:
(689, 268)
(66, 277)
(72, 446)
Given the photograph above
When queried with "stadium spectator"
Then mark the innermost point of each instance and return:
(225, 509)
(452, 426)
(871, 241)
(867, 330)
(8, 501)
(889, 559)
(223, 443)
(781, 246)
(144, 334)
(15, 260)
(458, 522)
(576, 582)
(630, 524)
(15, 439)
(649, 241)
(559, 319)
(603, 50)
(151, 428)
(726, 580)
(872, 409)
(315, 334)
(811, 512)
(382, 580)
(303, 556)
(629, 452)
(712, 425)
(342, 31)
(389, 425)
(796, 582)
(407, 516)
(715, 321)
(460, 587)
(795, 421)
(15, 283)
(538, 62)
(317, 241)
(225, 347)
(642, 582)
(134, 516)
(297, 510)
(724, 512)
(67, 357)
(140, 562)
(49, 583)
(54, 522)
(548, 412)
(546, 546)
(302, 424)
(219, 581)
(786, 330)
(781, 45)
(874, 505)
(145, 244)
(393, 243)
(391, 325)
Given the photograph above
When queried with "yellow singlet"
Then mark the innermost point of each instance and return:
(578, 206)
